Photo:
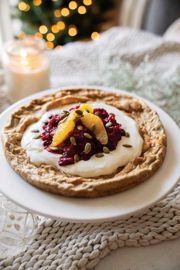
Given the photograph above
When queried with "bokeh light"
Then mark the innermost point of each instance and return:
(43, 29)
(50, 37)
(73, 5)
(72, 31)
(65, 12)
(55, 28)
(23, 6)
(57, 13)
(37, 2)
(95, 35)
(82, 10)
(49, 45)
(38, 35)
(87, 2)
(61, 25)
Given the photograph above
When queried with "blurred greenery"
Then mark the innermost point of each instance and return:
(35, 13)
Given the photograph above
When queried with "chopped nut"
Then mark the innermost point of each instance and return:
(76, 158)
(106, 150)
(80, 127)
(99, 155)
(38, 137)
(35, 131)
(63, 116)
(87, 148)
(87, 135)
(73, 140)
(66, 112)
(79, 112)
(127, 134)
(109, 124)
(127, 145)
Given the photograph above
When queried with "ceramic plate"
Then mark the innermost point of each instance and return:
(100, 209)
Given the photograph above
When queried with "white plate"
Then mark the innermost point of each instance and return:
(100, 209)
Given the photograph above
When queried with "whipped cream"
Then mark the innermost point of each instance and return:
(95, 166)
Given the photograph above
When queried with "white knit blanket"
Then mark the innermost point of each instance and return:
(138, 62)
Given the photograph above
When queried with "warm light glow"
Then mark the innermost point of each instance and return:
(82, 10)
(95, 35)
(49, 45)
(50, 37)
(23, 6)
(87, 2)
(72, 5)
(24, 57)
(21, 35)
(65, 12)
(58, 46)
(57, 13)
(38, 35)
(61, 25)
(37, 2)
(72, 31)
(55, 28)
(43, 29)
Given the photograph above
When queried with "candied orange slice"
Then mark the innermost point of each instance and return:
(95, 124)
(86, 107)
(88, 119)
(63, 130)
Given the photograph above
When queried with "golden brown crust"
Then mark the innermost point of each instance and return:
(52, 180)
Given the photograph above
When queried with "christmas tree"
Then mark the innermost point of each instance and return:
(63, 21)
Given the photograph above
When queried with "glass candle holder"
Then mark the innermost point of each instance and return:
(26, 67)
(17, 228)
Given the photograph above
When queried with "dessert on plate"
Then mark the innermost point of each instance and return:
(85, 142)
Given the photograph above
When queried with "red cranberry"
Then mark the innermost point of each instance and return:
(69, 150)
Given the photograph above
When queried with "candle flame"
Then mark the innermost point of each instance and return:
(23, 55)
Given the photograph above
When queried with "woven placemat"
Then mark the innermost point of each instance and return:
(60, 245)
(141, 63)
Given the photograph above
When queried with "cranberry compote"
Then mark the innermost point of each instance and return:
(81, 143)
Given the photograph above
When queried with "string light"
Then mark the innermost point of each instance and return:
(57, 13)
(23, 6)
(43, 29)
(72, 5)
(87, 2)
(72, 31)
(65, 12)
(55, 28)
(95, 35)
(38, 35)
(37, 2)
(58, 46)
(49, 45)
(82, 10)
(21, 35)
(61, 25)
(50, 37)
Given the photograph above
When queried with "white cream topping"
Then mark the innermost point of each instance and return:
(93, 167)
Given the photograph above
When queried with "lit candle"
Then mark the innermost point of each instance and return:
(26, 68)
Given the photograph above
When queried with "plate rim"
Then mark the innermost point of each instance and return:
(102, 88)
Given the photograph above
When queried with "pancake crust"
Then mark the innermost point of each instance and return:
(53, 180)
